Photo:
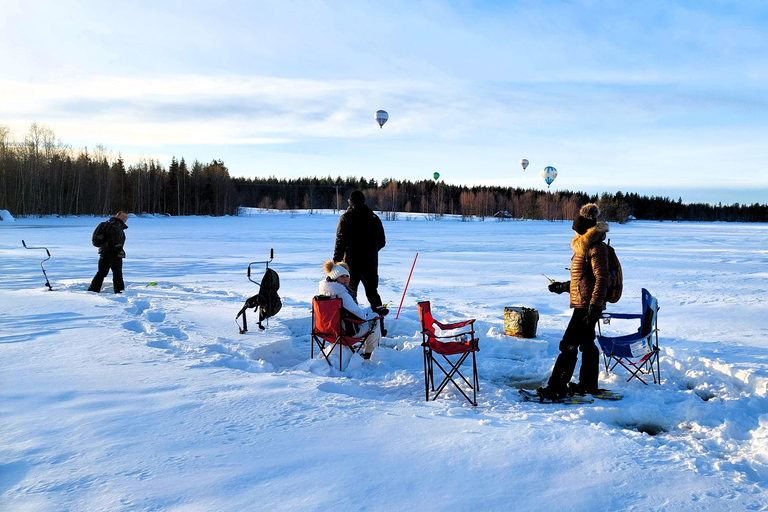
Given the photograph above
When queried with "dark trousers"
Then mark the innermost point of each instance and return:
(370, 279)
(108, 262)
(578, 336)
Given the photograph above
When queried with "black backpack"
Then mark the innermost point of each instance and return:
(267, 300)
(99, 236)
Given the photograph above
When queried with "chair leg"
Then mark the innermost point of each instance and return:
(426, 373)
(460, 374)
(431, 370)
(449, 378)
(475, 379)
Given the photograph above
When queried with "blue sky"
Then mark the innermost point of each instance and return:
(662, 98)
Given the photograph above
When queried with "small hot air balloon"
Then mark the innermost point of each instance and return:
(548, 174)
(381, 117)
(436, 175)
(524, 163)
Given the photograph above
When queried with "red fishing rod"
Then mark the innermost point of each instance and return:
(406, 286)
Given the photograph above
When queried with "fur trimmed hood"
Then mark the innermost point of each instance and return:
(336, 289)
(582, 243)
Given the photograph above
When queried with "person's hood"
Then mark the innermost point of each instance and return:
(122, 225)
(581, 243)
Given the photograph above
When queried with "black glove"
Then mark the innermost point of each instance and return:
(558, 287)
(593, 314)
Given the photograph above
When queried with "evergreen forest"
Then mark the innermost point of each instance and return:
(42, 176)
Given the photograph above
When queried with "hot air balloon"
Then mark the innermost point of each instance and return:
(548, 174)
(524, 163)
(436, 176)
(381, 117)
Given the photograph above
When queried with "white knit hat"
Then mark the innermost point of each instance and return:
(337, 272)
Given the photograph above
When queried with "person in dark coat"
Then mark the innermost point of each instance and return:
(359, 238)
(111, 254)
(588, 286)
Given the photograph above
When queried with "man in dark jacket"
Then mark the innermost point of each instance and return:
(111, 254)
(359, 238)
(588, 286)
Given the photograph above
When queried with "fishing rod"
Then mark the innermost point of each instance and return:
(47, 283)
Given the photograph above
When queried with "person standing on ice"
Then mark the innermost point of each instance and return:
(588, 287)
(111, 254)
(359, 238)
(336, 285)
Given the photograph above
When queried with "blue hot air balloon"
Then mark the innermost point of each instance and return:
(381, 117)
(524, 163)
(548, 174)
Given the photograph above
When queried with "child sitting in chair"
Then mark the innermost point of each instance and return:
(337, 285)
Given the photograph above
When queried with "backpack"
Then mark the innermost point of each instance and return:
(267, 300)
(99, 236)
(616, 282)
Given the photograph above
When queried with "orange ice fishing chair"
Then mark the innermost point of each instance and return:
(328, 327)
(464, 343)
(638, 353)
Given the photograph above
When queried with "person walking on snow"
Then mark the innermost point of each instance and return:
(588, 287)
(336, 285)
(111, 254)
(359, 238)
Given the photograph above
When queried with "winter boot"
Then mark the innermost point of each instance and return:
(575, 389)
(550, 393)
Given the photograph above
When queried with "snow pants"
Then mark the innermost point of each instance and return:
(578, 336)
(108, 262)
(373, 340)
(369, 276)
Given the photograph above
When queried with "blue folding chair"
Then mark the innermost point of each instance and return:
(638, 353)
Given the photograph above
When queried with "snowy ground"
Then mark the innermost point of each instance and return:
(151, 400)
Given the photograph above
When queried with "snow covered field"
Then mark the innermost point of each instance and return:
(151, 400)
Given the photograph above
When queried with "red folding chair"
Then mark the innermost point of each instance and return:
(464, 343)
(328, 320)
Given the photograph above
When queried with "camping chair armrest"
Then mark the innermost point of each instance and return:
(435, 337)
(620, 315)
(357, 321)
(455, 325)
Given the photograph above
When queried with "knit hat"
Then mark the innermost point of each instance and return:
(337, 272)
(586, 219)
(356, 197)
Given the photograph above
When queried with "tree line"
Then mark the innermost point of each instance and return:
(437, 199)
(42, 176)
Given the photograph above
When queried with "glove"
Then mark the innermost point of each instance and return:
(593, 314)
(558, 287)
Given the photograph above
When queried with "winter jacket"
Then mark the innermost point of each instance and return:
(359, 237)
(337, 290)
(115, 238)
(589, 268)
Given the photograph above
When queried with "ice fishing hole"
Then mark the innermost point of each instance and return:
(705, 394)
(652, 429)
